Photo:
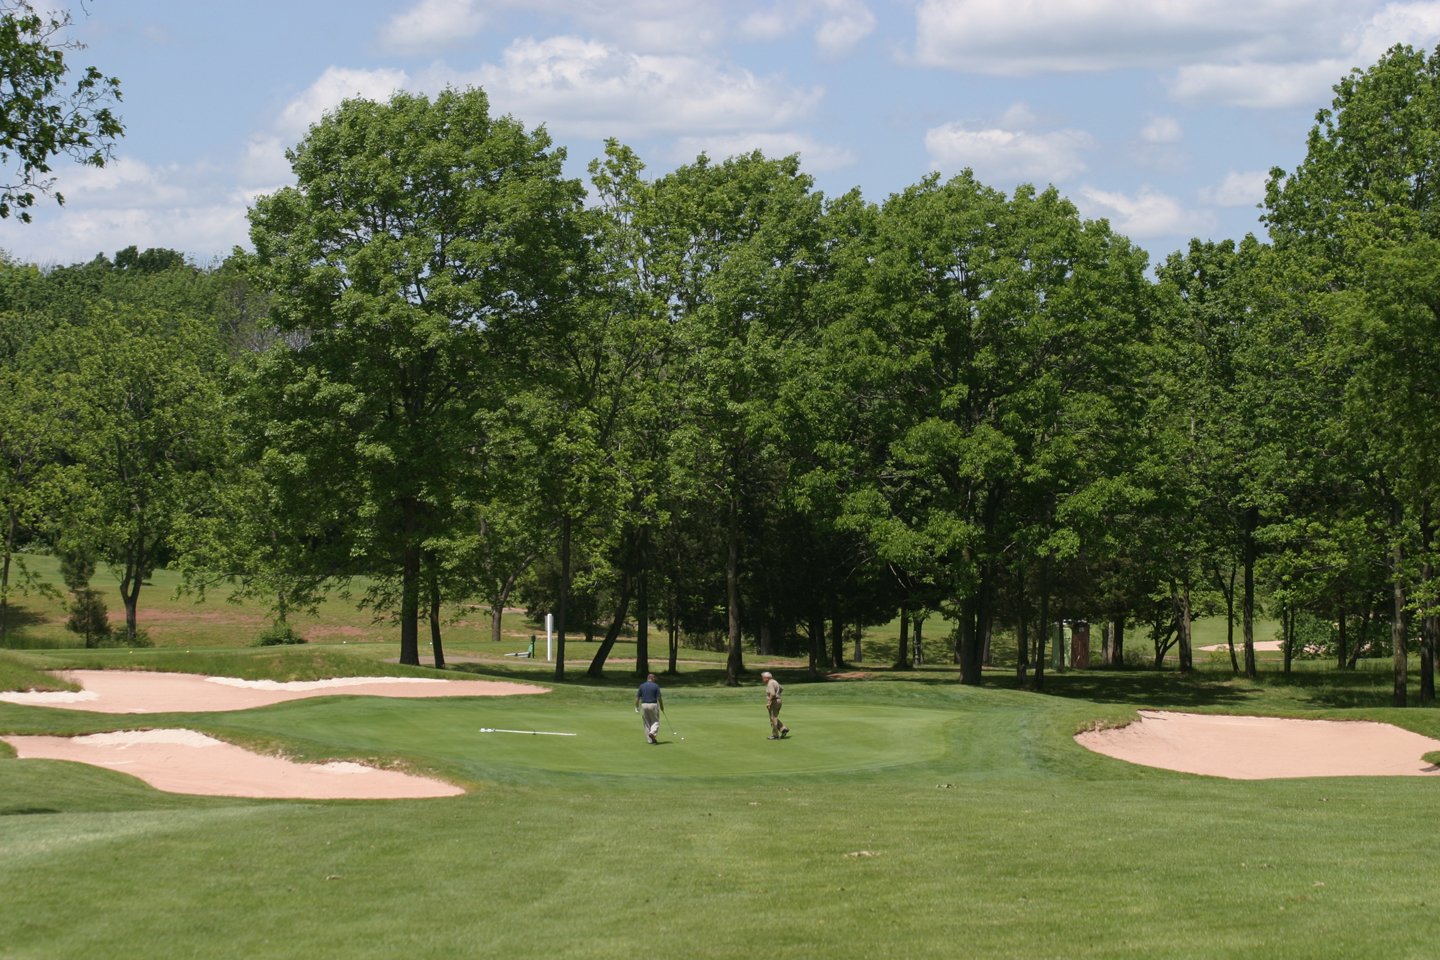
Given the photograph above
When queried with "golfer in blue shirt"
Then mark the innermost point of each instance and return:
(649, 703)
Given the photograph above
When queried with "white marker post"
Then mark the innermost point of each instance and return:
(549, 632)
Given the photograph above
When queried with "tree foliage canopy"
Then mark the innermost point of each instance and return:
(41, 118)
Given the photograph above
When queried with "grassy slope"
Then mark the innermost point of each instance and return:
(907, 817)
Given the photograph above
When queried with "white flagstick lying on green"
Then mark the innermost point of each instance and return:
(538, 733)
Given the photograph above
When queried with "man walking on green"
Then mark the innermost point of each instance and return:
(649, 703)
(773, 690)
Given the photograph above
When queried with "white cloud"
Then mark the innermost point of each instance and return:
(1162, 130)
(843, 24)
(772, 24)
(1260, 85)
(1018, 115)
(1007, 157)
(264, 164)
(432, 24)
(647, 26)
(333, 86)
(593, 89)
(815, 157)
(1250, 53)
(1417, 24)
(263, 167)
(1014, 37)
(128, 202)
(1148, 213)
(1237, 189)
(125, 182)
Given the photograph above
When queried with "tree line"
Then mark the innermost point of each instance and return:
(723, 404)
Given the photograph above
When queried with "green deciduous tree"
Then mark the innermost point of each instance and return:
(143, 435)
(1360, 217)
(736, 250)
(31, 420)
(422, 257)
(1011, 324)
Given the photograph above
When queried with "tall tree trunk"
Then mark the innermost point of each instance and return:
(12, 529)
(410, 606)
(1247, 603)
(985, 620)
(1367, 617)
(642, 606)
(1117, 639)
(1428, 622)
(817, 640)
(1342, 638)
(435, 646)
(1230, 618)
(1187, 660)
(497, 609)
(1430, 634)
(859, 637)
(1037, 682)
(130, 596)
(902, 656)
(967, 641)
(1397, 622)
(1287, 637)
(1022, 631)
(622, 610)
(564, 597)
(919, 640)
(734, 661)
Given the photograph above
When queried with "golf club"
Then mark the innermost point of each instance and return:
(672, 724)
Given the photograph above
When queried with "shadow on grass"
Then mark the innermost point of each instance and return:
(1329, 689)
(1145, 688)
(688, 675)
(17, 635)
(25, 811)
(1336, 688)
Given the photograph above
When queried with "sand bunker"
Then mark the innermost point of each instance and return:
(183, 761)
(1263, 645)
(1264, 748)
(139, 691)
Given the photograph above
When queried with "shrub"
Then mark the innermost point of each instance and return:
(119, 638)
(1314, 637)
(89, 617)
(278, 634)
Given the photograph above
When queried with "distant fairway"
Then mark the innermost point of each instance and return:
(724, 736)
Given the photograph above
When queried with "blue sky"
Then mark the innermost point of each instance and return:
(1162, 116)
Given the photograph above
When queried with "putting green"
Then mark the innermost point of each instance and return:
(722, 737)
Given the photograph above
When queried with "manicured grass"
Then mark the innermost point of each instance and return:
(907, 816)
